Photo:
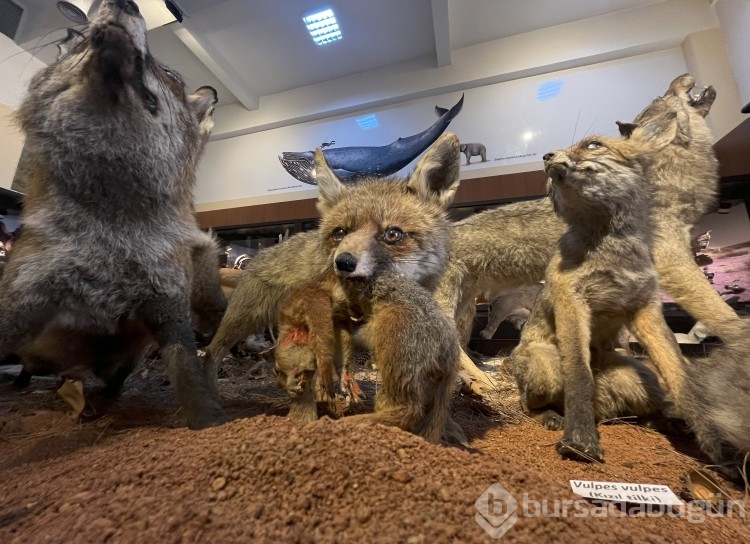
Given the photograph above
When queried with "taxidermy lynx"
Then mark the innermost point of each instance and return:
(113, 143)
(685, 178)
(387, 241)
(601, 279)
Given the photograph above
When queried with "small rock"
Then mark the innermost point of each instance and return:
(401, 476)
(219, 483)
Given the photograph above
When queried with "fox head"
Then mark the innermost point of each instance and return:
(375, 225)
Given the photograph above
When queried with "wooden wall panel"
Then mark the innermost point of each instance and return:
(471, 191)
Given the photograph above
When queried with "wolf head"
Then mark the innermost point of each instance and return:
(392, 224)
(107, 110)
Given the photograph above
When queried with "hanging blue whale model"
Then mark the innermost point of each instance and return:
(353, 163)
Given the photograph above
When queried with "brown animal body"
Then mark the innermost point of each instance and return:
(313, 344)
(388, 244)
(110, 246)
(601, 279)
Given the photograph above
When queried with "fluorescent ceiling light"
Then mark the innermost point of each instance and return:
(323, 27)
(368, 121)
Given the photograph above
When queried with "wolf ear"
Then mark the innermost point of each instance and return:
(202, 103)
(330, 187)
(659, 132)
(437, 174)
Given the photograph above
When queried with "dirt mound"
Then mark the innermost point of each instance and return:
(264, 478)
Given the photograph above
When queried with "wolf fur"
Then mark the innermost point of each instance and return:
(601, 279)
(110, 244)
(388, 244)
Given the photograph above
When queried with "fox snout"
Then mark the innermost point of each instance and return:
(346, 262)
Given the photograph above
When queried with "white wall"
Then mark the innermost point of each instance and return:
(16, 69)
(512, 119)
(734, 18)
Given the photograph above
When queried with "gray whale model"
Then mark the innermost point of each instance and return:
(353, 163)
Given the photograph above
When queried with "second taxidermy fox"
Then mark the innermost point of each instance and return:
(388, 244)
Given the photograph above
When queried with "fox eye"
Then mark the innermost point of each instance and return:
(338, 234)
(594, 145)
(393, 235)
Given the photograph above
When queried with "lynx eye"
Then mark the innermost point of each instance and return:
(393, 235)
(594, 145)
(338, 234)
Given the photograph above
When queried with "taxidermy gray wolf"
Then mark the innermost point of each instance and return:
(601, 279)
(387, 241)
(513, 305)
(312, 345)
(110, 248)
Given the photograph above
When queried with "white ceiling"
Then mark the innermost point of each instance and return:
(249, 49)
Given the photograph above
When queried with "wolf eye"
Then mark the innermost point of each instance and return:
(594, 145)
(393, 235)
(171, 74)
(338, 234)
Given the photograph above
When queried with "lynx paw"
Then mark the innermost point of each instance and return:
(552, 420)
(581, 446)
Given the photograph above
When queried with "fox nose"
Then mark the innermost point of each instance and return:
(346, 262)
(548, 156)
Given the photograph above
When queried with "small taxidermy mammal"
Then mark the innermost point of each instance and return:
(113, 141)
(313, 344)
(388, 243)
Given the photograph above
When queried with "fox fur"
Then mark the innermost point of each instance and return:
(313, 343)
(110, 248)
(388, 244)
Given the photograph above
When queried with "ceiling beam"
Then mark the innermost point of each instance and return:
(219, 67)
(441, 25)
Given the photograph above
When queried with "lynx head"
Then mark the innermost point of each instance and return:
(390, 224)
(108, 111)
(599, 177)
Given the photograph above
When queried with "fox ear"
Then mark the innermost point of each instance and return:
(329, 185)
(437, 174)
(659, 132)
